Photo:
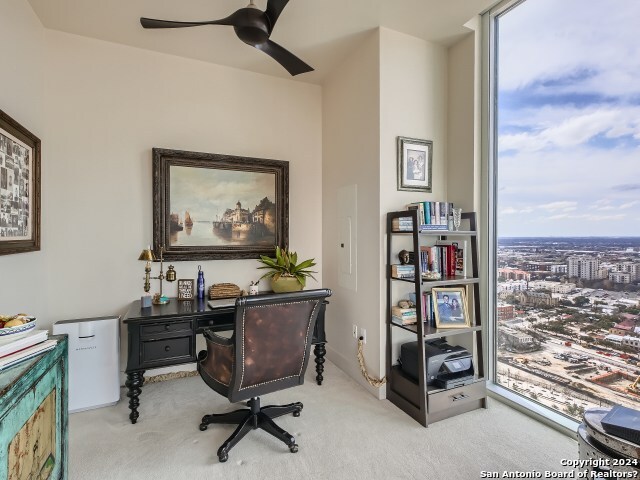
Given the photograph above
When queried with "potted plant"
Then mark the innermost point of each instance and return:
(286, 274)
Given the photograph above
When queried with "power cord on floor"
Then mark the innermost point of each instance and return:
(375, 382)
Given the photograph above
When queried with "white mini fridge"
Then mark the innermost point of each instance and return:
(94, 361)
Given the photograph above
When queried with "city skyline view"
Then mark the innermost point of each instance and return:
(569, 119)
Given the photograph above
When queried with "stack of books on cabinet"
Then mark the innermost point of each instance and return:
(447, 261)
(15, 351)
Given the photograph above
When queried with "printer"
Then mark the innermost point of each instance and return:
(446, 366)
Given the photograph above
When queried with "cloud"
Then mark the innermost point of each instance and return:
(569, 118)
(627, 187)
(567, 128)
(564, 206)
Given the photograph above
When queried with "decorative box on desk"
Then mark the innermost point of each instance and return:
(34, 416)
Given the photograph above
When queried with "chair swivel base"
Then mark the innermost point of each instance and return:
(253, 418)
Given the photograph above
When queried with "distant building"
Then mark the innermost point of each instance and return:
(629, 341)
(625, 327)
(537, 266)
(583, 267)
(514, 274)
(558, 268)
(633, 269)
(512, 286)
(536, 298)
(620, 277)
(505, 312)
(554, 287)
(516, 339)
(613, 338)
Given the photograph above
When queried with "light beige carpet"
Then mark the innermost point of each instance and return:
(343, 433)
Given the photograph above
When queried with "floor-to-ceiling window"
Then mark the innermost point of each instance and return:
(565, 167)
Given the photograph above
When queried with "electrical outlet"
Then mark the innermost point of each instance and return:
(355, 331)
(363, 334)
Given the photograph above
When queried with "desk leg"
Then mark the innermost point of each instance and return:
(319, 351)
(134, 383)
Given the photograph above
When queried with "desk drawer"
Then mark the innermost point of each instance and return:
(166, 327)
(167, 350)
(445, 399)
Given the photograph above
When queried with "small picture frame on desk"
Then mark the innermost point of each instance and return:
(185, 289)
(451, 307)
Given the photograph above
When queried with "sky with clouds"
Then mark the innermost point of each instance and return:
(569, 119)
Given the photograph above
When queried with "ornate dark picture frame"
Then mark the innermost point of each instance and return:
(210, 206)
(20, 152)
(414, 164)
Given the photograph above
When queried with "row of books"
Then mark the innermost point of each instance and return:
(25, 347)
(432, 215)
(445, 258)
(408, 316)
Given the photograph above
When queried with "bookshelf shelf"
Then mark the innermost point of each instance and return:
(426, 403)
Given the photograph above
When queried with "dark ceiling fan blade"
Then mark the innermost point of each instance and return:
(153, 23)
(274, 9)
(284, 57)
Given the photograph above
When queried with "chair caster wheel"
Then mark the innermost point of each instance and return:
(203, 427)
(223, 458)
(293, 448)
(296, 413)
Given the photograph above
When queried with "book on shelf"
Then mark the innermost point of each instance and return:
(31, 338)
(402, 224)
(403, 312)
(402, 271)
(27, 353)
(454, 257)
(435, 214)
(404, 320)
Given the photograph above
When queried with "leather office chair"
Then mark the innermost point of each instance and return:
(269, 351)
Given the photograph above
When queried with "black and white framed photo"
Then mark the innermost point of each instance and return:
(19, 188)
(414, 164)
(450, 307)
(185, 289)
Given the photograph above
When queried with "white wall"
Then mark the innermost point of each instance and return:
(462, 183)
(394, 85)
(103, 107)
(413, 103)
(351, 139)
(22, 276)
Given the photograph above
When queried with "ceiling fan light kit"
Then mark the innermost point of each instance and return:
(253, 27)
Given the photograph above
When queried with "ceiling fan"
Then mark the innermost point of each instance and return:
(253, 27)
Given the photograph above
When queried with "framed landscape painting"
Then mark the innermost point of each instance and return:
(212, 206)
(19, 188)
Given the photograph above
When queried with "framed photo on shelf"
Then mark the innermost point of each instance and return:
(451, 307)
(414, 164)
(209, 206)
(19, 188)
(185, 289)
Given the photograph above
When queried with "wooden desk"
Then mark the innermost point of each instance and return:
(165, 335)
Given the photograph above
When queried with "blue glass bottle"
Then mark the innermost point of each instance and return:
(200, 283)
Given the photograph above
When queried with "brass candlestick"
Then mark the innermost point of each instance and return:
(148, 255)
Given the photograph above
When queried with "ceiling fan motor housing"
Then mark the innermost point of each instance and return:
(252, 26)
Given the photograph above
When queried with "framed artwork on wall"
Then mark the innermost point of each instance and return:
(210, 206)
(414, 164)
(19, 188)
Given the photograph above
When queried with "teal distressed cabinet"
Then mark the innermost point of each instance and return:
(34, 416)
